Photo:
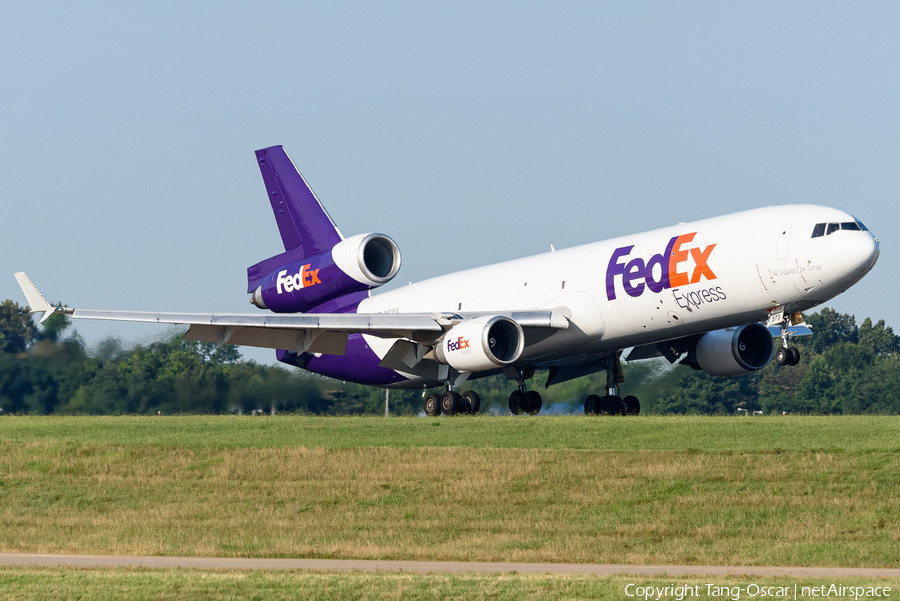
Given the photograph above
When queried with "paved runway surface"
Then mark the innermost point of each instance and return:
(38, 559)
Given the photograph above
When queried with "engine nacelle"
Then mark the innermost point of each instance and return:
(481, 344)
(359, 263)
(734, 351)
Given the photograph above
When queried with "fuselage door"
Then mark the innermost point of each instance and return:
(784, 234)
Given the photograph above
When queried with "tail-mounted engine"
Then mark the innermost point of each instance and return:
(480, 344)
(733, 351)
(359, 263)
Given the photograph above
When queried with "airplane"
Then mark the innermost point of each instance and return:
(711, 294)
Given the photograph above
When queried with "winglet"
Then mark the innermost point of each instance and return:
(36, 300)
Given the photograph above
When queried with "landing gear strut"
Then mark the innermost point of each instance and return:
(787, 355)
(612, 403)
(523, 400)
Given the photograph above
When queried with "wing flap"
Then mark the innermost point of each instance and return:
(303, 341)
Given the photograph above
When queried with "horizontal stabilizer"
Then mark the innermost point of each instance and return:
(35, 299)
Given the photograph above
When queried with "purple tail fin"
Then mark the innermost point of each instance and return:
(302, 221)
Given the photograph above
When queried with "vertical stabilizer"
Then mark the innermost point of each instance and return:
(302, 221)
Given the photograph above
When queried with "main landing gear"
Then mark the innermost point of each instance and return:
(522, 401)
(451, 403)
(611, 403)
(527, 401)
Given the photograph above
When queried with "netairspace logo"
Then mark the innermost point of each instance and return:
(755, 591)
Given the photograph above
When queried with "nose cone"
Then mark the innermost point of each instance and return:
(858, 255)
(866, 252)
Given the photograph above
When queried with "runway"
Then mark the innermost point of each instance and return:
(225, 563)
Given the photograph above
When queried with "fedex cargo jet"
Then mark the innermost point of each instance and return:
(711, 294)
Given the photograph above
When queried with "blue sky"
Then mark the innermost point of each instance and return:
(469, 132)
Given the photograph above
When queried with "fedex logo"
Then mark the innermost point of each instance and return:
(304, 278)
(458, 344)
(669, 269)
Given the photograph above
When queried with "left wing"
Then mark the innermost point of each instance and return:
(303, 332)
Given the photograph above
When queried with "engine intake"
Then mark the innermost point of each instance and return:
(481, 344)
(296, 284)
(371, 259)
(734, 351)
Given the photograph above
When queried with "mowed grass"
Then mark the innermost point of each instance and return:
(100, 584)
(717, 491)
(850, 433)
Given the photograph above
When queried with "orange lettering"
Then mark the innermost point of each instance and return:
(702, 269)
(679, 256)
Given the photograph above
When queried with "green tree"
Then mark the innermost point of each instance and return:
(829, 328)
(878, 338)
(16, 327)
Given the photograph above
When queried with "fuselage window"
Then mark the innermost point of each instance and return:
(833, 227)
(819, 230)
(850, 225)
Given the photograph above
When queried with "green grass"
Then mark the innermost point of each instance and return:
(718, 491)
(850, 433)
(99, 584)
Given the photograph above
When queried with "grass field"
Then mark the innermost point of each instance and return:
(27, 584)
(721, 491)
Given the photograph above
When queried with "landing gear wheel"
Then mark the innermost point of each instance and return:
(451, 403)
(533, 402)
(795, 356)
(611, 405)
(632, 405)
(433, 405)
(517, 402)
(783, 356)
(473, 400)
(592, 405)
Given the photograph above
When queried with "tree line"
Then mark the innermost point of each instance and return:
(47, 369)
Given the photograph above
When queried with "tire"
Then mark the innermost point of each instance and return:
(592, 405)
(433, 405)
(517, 402)
(632, 405)
(795, 356)
(451, 403)
(611, 405)
(474, 401)
(533, 402)
(782, 356)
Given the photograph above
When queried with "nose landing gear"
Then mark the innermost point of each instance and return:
(786, 355)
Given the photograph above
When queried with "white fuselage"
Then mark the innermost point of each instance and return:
(669, 284)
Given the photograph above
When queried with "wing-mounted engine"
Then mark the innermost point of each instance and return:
(480, 344)
(295, 284)
(733, 351)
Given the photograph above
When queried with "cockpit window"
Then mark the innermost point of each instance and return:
(824, 229)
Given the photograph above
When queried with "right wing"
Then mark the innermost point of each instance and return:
(301, 332)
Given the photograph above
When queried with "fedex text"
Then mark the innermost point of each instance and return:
(670, 269)
(304, 278)
(458, 344)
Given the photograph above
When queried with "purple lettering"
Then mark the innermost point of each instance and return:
(633, 271)
(615, 268)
